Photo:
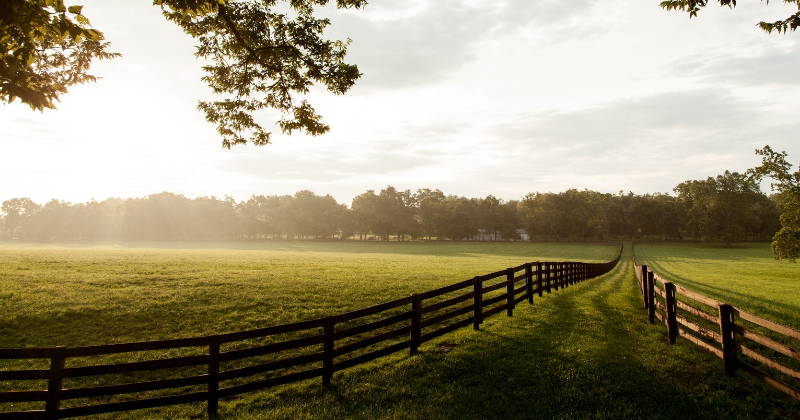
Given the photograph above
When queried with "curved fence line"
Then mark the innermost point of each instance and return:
(742, 340)
(213, 367)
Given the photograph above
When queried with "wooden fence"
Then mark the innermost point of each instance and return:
(137, 375)
(742, 340)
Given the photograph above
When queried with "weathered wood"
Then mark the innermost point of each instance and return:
(477, 304)
(529, 282)
(510, 292)
(548, 276)
(699, 329)
(661, 318)
(695, 311)
(700, 342)
(645, 294)
(539, 277)
(768, 342)
(746, 351)
(672, 323)
(651, 297)
(774, 326)
(328, 349)
(416, 324)
(271, 366)
(53, 401)
(726, 322)
(697, 296)
(786, 389)
(213, 375)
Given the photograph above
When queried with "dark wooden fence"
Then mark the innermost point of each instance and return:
(742, 340)
(138, 375)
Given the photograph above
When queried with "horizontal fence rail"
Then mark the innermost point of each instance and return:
(218, 366)
(742, 340)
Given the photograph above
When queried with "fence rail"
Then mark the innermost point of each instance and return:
(230, 364)
(723, 330)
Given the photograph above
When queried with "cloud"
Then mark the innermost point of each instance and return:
(768, 66)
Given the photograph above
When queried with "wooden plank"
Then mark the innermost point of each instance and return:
(132, 405)
(492, 275)
(271, 348)
(520, 289)
(137, 346)
(446, 316)
(494, 310)
(697, 296)
(520, 277)
(520, 298)
(494, 300)
(780, 386)
(30, 353)
(660, 318)
(100, 391)
(448, 302)
(660, 292)
(372, 326)
(175, 362)
(349, 316)
(372, 355)
(266, 383)
(447, 289)
(24, 375)
(444, 330)
(774, 345)
(695, 311)
(22, 396)
(487, 289)
(774, 326)
(372, 340)
(270, 366)
(661, 306)
(768, 362)
(22, 415)
(699, 342)
(275, 330)
(705, 332)
(519, 267)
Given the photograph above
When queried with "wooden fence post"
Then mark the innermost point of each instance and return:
(672, 322)
(510, 292)
(54, 383)
(213, 374)
(651, 297)
(478, 303)
(726, 323)
(529, 282)
(539, 277)
(547, 273)
(556, 275)
(416, 323)
(644, 284)
(327, 361)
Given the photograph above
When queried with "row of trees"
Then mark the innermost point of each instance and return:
(726, 208)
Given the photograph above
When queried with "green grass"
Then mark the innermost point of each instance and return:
(583, 352)
(745, 275)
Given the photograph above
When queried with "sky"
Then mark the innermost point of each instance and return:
(470, 97)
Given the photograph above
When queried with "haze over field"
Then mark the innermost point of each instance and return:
(474, 98)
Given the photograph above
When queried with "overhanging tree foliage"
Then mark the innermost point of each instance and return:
(260, 57)
(694, 6)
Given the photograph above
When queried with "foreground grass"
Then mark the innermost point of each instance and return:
(745, 275)
(583, 352)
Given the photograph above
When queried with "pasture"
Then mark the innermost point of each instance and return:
(584, 352)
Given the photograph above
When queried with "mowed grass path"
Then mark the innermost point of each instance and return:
(583, 352)
(745, 275)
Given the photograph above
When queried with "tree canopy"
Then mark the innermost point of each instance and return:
(786, 242)
(259, 57)
(694, 6)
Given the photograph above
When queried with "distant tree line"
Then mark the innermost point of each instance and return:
(725, 208)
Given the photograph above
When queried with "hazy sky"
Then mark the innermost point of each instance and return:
(471, 97)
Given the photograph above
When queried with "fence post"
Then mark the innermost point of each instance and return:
(510, 292)
(529, 282)
(416, 323)
(644, 284)
(54, 383)
(672, 323)
(651, 297)
(327, 361)
(556, 275)
(726, 323)
(213, 374)
(477, 287)
(539, 277)
(547, 278)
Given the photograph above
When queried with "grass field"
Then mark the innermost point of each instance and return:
(745, 275)
(583, 352)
